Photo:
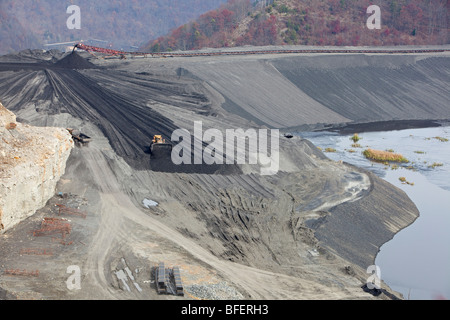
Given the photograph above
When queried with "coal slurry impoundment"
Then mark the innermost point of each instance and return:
(310, 230)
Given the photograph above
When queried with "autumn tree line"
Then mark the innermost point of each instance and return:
(312, 22)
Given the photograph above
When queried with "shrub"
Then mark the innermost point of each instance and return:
(283, 9)
(355, 138)
(403, 180)
(436, 164)
(383, 156)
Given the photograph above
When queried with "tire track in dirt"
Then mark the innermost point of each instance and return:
(118, 209)
(115, 101)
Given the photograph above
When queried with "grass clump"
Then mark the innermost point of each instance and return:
(404, 181)
(330, 150)
(384, 156)
(441, 139)
(356, 145)
(419, 152)
(436, 164)
(355, 138)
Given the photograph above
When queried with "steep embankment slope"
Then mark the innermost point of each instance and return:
(32, 160)
(311, 91)
(260, 92)
(367, 88)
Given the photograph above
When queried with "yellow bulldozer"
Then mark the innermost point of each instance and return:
(160, 146)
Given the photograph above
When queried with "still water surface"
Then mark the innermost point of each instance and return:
(416, 262)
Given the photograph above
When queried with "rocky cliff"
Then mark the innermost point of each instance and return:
(32, 159)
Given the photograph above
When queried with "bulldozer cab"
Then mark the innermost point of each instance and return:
(158, 139)
(159, 147)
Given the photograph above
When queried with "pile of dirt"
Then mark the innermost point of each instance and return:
(74, 61)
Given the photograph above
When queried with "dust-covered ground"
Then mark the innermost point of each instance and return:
(308, 232)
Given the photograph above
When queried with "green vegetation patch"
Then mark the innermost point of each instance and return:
(441, 139)
(404, 181)
(383, 156)
(436, 164)
(355, 138)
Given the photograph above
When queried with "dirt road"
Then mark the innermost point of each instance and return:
(118, 209)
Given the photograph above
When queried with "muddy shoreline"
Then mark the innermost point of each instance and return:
(386, 126)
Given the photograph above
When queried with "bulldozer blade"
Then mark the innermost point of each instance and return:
(161, 150)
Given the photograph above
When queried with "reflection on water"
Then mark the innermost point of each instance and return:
(417, 261)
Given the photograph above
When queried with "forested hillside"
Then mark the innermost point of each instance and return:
(312, 22)
(193, 24)
(28, 24)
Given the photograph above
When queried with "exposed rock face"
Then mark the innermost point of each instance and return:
(32, 159)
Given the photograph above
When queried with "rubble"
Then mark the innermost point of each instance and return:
(215, 291)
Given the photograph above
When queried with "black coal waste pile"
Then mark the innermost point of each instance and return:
(74, 61)
(116, 102)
